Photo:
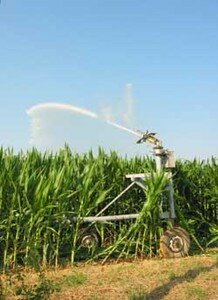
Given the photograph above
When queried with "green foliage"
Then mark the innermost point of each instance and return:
(196, 293)
(15, 284)
(214, 234)
(196, 190)
(41, 193)
(39, 291)
(74, 279)
(138, 295)
(143, 235)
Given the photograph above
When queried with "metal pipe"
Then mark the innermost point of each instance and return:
(171, 200)
(106, 218)
(115, 199)
(159, 155)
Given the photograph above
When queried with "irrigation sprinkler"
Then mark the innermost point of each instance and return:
(175, 242)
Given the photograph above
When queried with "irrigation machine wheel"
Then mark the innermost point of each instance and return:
(89, 238)
(174, 243)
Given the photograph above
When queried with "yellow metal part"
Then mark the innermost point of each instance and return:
(152, 139)
(149, 137)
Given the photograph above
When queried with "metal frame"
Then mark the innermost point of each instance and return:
(137, 179)
(164, 159)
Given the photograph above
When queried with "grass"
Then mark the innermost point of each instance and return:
(196, 292)
(73, 280)
(193, 278)
(15, 285)
(140, 295)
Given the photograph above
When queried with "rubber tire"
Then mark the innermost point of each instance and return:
(176, 233)
(90, 232)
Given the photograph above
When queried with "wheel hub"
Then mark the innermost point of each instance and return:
(176, 243)
(88, 241)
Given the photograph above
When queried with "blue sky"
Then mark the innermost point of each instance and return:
(85, 52)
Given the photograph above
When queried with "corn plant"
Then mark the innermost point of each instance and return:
(42, 194)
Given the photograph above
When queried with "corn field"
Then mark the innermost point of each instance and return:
(42, 194)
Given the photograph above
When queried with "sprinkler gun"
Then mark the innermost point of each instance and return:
(164, 158)
(148, 137)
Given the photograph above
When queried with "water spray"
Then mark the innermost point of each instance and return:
(164, 158)
(36, 113)
(60, 106)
